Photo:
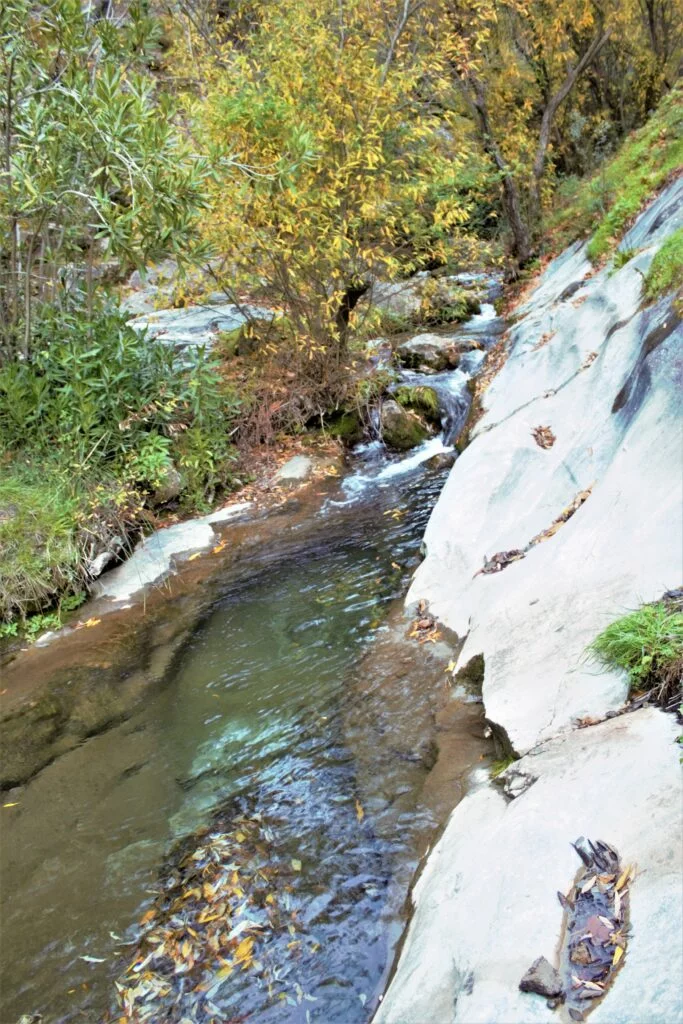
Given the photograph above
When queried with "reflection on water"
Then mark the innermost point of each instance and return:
(272, 704)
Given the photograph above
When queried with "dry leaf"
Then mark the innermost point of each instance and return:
(587, 886)
(360, 813)
(618, 953)
(623, 877)
(92, 622)
(14, 803)
(197, 554)
(296, 864)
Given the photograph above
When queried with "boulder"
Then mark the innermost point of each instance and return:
(435, 351)
(169, 486)
(401, 428)
(295, 471)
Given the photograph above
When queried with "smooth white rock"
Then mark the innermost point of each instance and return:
(295, 470)
(155, 556)
(533, 620)
(486, 904)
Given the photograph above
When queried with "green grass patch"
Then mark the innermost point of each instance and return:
(648, 645)
(666, 270)
(498, 767)
(607, 203)
(52, 521)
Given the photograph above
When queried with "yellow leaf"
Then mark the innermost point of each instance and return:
(618, 953)
(197, 554)
(623, 877)
(240, 837)
(360, 813)
(296, 864)
(92, 622)
(218, 548)
(15, 803)
(244, 950)
(450, 667)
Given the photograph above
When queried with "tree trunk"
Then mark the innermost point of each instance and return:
(550, 112)
(512, 204)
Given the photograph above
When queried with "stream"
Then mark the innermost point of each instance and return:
(296, 701)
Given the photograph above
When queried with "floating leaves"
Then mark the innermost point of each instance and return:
(215, 914)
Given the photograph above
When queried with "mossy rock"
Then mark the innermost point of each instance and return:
(346, 425)
(421, 399)
(402, 429)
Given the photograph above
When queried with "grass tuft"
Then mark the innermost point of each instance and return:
(666, 270)
(648, 645)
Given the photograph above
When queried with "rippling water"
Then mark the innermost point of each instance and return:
(293, 697)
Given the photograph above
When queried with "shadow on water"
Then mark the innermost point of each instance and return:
(296, 695)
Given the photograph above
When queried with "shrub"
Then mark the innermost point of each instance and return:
(648, 644)
(102, 394)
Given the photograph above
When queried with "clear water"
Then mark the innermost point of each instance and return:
(296, 698)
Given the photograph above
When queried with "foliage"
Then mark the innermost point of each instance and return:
(38, 543)
(93, 167)
(608, 201)
(341, 154)
(666, 270)
(648, 645)
(105, 395)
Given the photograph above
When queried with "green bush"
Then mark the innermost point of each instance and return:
(102, 394)
(648, 645)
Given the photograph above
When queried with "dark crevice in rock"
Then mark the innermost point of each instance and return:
(631, 394)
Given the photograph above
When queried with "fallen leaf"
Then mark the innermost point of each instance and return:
(197, 554)
(450, 667)
(623, 878)
(587, 886)
(296, 864)
(94, 959)
(91, 622)
(14, 803)
(360, 813)
(218, 548)
(618, 953)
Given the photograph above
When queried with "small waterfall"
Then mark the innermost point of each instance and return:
(453, 395)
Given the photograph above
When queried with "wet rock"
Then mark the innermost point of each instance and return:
(435, 351)
(401, 428)
(542, 978)
(295, 471)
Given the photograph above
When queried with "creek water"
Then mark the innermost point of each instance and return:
(296, 698)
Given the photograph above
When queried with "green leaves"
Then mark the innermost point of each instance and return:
(95, 166)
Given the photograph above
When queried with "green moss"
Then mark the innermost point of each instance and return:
(421, 398)
(648, 645)
(666, 270)
(608, 202)
(346, 426)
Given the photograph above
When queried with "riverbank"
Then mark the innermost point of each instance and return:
(561, 515)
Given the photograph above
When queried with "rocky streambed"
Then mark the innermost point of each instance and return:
(562, 514)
